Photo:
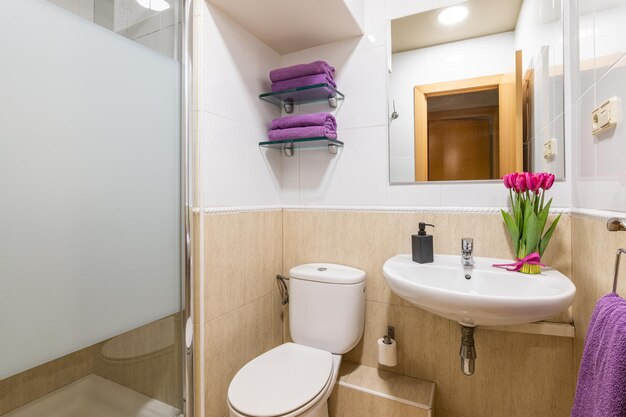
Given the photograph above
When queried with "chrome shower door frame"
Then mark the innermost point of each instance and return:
(186, 177)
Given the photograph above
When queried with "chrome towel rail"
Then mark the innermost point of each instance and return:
(616, 275)
(616, 225)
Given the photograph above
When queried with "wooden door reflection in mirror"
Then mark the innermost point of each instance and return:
(469, 129)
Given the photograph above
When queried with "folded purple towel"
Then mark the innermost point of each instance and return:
(301, 70)
(302, 82)
(304, 120)
(601, 389)
(303, 133)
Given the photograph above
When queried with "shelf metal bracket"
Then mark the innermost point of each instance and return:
(288, 149)
(332, 102)
(288, 106)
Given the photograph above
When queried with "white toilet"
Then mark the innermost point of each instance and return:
(326, 317)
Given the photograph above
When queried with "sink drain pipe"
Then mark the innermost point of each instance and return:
(468, 351)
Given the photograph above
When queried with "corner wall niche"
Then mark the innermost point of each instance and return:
(293, 25)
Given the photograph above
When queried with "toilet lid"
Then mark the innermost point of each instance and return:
(280, 381)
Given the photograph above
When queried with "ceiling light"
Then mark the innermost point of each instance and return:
(156, 5)
(452, 15)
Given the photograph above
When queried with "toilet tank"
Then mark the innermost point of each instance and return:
(326, 306)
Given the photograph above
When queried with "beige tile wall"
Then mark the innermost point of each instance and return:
(27, 386)
(379, 393)
(517, 374)
(348, 402)
(593, 266)
(368, 239)
(242, 310)
(146, 359)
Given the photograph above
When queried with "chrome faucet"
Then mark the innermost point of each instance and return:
(467, 245)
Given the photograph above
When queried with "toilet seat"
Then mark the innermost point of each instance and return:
(283, 380)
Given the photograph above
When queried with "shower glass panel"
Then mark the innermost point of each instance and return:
(90, 286)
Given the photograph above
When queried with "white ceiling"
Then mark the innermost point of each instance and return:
(486, 17)
(396, 9)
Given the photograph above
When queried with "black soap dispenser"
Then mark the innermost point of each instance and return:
(423, 245)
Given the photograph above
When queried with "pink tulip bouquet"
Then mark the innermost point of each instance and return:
(528, 219)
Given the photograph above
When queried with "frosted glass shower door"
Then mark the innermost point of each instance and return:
(89, 184)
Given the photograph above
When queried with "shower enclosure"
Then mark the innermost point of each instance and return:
(93, 215)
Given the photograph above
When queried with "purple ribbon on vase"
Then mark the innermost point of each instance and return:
(531, 259)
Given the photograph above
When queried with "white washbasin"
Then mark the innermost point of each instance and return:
(491, 297)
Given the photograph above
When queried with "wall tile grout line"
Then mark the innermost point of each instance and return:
(240, 307)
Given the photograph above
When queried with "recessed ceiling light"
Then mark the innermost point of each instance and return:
(156, 5)
(452, 15)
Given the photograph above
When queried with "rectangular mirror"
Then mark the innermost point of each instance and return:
(476, 92)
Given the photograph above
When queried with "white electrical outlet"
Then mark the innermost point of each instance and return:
(549, 149)
(606, 116)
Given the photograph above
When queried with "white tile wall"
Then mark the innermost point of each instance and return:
(237, 172)
(236, 71)
(104, 13)
(415, 195)
(359, 174)
(69, 5)
(599, 170)
(363, 176)
(236, 65)
(537, 23)
(473, 195)
(320, 177)
(86, 9)
(154, 30)
(609, 41)
(142, 28)
(362, 77)
(539, 35)
(364, 166)
(151, 41)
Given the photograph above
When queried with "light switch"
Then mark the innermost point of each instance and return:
(606, 116)
(549, 149)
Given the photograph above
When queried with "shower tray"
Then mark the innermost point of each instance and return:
(95, 396)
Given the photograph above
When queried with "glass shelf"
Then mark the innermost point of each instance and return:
(289, 145)
(300, 95)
